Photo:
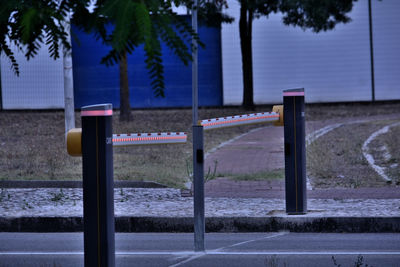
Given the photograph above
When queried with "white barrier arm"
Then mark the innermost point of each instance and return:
(149, 138)
(239, 120)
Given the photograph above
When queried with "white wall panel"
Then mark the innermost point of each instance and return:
(386, 30)
(39, 85)
(332, 66)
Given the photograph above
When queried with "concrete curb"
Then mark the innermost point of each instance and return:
(74, 184)
(213, 224)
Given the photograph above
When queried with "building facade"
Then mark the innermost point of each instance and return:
(333, 66)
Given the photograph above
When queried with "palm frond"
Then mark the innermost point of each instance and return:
(9, 53)
(154, 64)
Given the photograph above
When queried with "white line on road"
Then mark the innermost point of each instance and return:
(304, 253)
(253, 240)
(40, 253)
(219, 250)
(199, 254)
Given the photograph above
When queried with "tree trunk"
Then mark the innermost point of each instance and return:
(125, 106)
(245, 29)
(69, 107)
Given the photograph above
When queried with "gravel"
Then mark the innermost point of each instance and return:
(67, 202)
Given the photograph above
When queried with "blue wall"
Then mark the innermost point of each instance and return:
(95, 83)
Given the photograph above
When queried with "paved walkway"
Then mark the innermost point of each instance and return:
(258, 151)
(261, 150)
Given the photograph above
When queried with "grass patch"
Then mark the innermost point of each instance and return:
(345, 110)
(259, 176)
(336, 159)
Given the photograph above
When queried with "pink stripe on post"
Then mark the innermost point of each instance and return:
(293, 94)
(86, 113)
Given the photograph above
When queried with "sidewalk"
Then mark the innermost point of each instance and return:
(165, 210)
(257, 151)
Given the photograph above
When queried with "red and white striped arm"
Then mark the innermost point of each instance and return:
(149, 138)
(239, 120)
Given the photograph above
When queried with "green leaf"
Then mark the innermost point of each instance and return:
(28, 24)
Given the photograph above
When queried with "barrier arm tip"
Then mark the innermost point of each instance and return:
(74, 142)
(278, 109)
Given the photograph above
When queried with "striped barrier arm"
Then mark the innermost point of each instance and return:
(239, 120)
(149, 138)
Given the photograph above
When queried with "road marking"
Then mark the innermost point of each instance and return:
(41, 253)
(219, 250)
(200, 254)
(365, 149)
(253, 240)
(304, 253)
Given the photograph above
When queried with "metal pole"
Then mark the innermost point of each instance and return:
(1, 98)
(198, 154)
(98, 186)
(195, 92)
(371, 46)
(198, 174)
(295, 152)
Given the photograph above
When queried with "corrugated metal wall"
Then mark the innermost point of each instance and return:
(40, 84)
(96, 83)
(332, 66)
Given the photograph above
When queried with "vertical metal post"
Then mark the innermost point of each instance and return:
(1, 98)
(295, 152)
(98, 185)
(198, 172)
(371, 46)
(195, 91)
(198, 154)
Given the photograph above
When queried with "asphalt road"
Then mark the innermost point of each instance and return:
(222, 249)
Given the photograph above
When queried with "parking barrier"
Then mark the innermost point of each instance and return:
(238, 120)
(294, 136)
(295, 152)
(94, 142)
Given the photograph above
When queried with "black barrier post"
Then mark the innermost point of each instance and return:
(98, 185)
(198, 186)
(295, 153)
